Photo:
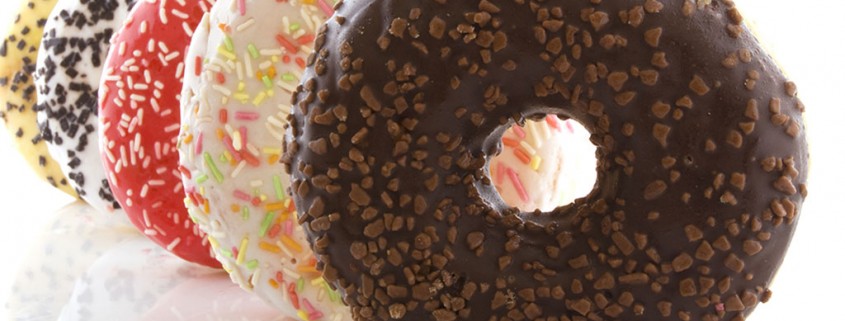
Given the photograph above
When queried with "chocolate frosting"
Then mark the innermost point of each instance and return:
(701, 159)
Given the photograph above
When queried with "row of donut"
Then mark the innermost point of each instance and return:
(175, 119)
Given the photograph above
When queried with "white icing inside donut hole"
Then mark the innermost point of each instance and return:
(546, 163)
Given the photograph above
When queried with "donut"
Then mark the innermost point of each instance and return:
(213, 297)
(61, 252)
(700, 147)
(130, 279)
(539, 165)
(243, 65)
(139, 123)
(70, 63)
(17, 91)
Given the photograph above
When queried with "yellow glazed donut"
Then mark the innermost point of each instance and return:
(17, 90)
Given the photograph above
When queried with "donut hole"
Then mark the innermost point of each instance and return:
(543, 164)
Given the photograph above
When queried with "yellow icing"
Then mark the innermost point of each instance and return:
(17, 90)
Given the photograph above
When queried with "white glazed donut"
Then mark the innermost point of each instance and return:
(70, 62)
(242, 66)
(544, 164)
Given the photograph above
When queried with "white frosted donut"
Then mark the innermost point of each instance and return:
(242, 66)
(544, 164)
(70, 62)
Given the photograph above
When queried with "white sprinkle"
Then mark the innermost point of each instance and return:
(140, 117)
(118, 167)
(123, 157)
(275, 122)
(171, 128)
(286, 86)
(173, 244)
(162, 15)
(531, 151)
(162, 46)
(136, 143)
(213, 66)
(163, 61)
(256, 276)
(248, 64)
(113, 179)
(240, 71)
(271, 52)
(533, 135)
(132, 159)
(277, 134)
(110, 156)
(187, 29)
(246, 24)
(546, 132)
(223, 90)
(285, 270)
(253, 150)
(238, 169)
(146, 217)
(180, 70)
(155, 105)
(171, 56)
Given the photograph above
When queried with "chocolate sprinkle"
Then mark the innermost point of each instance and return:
(665, 235)
(75, 44)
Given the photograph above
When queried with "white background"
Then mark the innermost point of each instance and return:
(807, 37)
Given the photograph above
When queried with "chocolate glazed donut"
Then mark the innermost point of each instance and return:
(701, 159)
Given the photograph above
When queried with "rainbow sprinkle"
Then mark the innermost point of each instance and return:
(523, 143)
(234, 134)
